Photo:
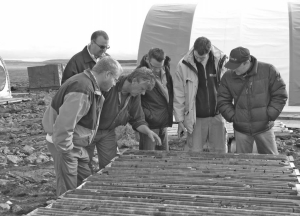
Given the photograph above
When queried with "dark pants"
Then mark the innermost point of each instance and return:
(106, 145)
(147, 144)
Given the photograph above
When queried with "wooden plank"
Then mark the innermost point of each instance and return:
(184, 183)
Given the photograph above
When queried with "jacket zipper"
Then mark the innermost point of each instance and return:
(248, 103)
(206, 82)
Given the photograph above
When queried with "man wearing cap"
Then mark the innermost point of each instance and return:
(196, 81)
(251, 95)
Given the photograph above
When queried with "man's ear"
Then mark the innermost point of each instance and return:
(134, 80)
(107, 74)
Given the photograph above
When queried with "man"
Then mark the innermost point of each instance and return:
(122, 105)
(157, 103)
(259, 96)
(72, 119)
(87, 58)
(196, 82)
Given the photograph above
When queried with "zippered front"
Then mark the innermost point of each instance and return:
(248, 103)
(206, 82)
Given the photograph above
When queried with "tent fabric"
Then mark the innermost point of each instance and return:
(4, 81)
(167, 27)
(261, 26)
(294, 18)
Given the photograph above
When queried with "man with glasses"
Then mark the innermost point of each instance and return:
(87, 58)
(158, 103)
(196, 81)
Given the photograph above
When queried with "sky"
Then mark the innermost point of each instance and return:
(57, 29)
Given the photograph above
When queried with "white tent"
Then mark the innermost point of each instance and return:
(4, 81)
(269, 29)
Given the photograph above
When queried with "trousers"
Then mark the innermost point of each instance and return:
(70, 168)
(208, 131)
(106, 145)
(265, 142)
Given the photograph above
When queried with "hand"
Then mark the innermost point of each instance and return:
(154, 137)
(181, 132)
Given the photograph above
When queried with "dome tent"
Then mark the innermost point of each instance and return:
(4, 81)
(269, 29)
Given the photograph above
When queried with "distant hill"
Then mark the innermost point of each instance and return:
(65, 61)
(56, 61)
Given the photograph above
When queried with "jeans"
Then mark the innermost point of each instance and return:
(265, 142)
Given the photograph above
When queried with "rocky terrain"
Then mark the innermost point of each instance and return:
(27, 178)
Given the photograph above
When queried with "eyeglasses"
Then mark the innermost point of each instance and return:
(102, 46)
(115, 79)
(154, 67)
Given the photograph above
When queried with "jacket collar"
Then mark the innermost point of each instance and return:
(91, 76)
(119, 84)
(86, 56)
(189, 57)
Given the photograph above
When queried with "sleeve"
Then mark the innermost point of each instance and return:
(70, 70)
(147, 113)
(179, 94)
(278, 94)
(225, 99)
(136, 113)
(75, 106)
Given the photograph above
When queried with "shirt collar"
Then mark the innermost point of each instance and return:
(92, 56)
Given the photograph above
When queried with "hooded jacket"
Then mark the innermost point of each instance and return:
(262, 97)
(73, 116)
(158, 111)
(186, 86)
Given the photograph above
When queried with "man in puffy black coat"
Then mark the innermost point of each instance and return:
(259, 95)
(158, 103)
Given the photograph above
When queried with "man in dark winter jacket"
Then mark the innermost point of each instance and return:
(158, 103)
(87, 58)
(259, 95)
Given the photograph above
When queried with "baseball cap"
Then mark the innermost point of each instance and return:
(237, 57)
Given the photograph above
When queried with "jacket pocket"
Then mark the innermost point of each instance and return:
(81, 141)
